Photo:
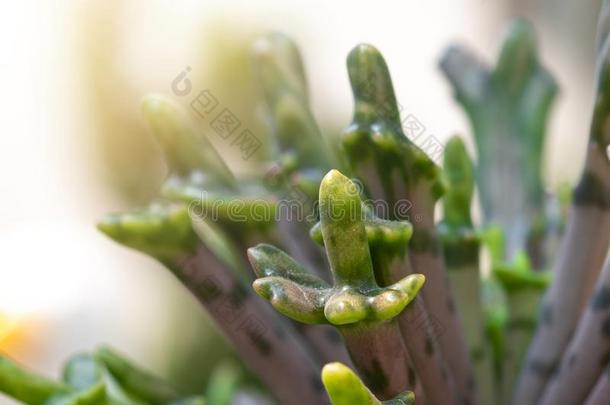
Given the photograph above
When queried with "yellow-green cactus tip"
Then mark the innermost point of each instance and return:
(344, 387)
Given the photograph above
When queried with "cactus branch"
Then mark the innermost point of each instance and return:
(393, 169)
(461, 247)
(266, 345)
(361, 310)
(583, 248)
(587, 354)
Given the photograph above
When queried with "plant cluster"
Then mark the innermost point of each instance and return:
(395, 306)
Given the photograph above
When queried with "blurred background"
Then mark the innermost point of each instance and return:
(73, 145)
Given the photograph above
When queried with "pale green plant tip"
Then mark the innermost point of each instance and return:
(518, 55)
(185, 150)
(372, 85)
(459, 174)
(344, 387)
(343, 230)
(164, 232)
(376, 133)
(279, 65)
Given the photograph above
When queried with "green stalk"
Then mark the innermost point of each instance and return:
(362, 311)
(461, 247)
(584, 246)
(508, 106)
(396, 171)
(268, 347)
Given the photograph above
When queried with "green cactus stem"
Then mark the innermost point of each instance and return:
(269, 347)
(362, 311)
(461, 247)
(388, 242)
(395, 170)
(507, 106)
(344, 387)
(588, 352)
(583, 248)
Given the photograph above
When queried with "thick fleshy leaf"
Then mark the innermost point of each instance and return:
(162, 231)
(302, 303)
(267, 261)
(94, 395)
(136, 381)
(27, 387)
(349, 306)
